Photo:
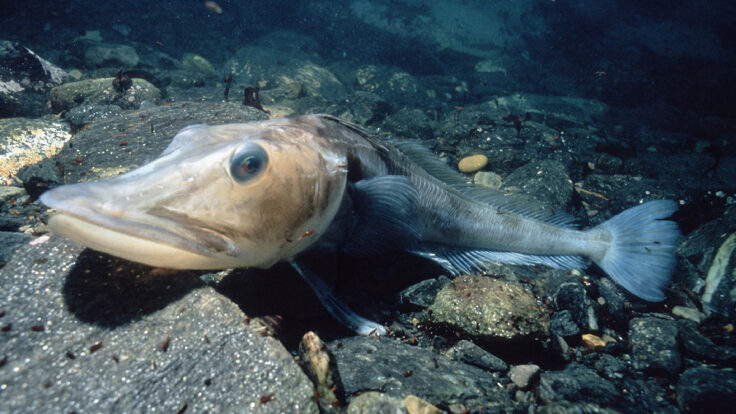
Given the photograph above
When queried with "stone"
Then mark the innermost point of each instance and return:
(420, 294)
(88, 332)
(488, 179)
(593, 342)
(9, 243)
(470, 353)
(197, 63)
(416, 405)
(688, 313)
(654, 347)
(82, 115)
(546, 181)
(615, 306)
(719, 296)
(102, 55)
(318, 366)
(472, 163)
(409, 123)
(399, 369)
(571, 296)
(489, 308)
(699, 346)
(25, 142)
(102, 92)
(25, 79)
(373, 402)
(610, 367)
(561, 324)
(707, 390)
(522, 375)
(576, 383)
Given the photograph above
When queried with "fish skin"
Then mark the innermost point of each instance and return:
(330, 185)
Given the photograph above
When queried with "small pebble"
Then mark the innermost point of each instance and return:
(593, 342)
(688, 313)
(488, 179)
(521, 375)
(472, 163)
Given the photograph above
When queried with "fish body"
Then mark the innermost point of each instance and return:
(254, 194)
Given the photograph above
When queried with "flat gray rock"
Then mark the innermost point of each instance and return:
(398, 369)
(85, 332)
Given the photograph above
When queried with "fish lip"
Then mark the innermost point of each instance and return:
(84, 211)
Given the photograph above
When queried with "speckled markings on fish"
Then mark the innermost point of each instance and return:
(254, 194)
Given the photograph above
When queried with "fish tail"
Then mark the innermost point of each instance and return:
(641, 256)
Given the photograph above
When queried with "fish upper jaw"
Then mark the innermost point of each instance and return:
(83, 215)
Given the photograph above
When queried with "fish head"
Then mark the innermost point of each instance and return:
(236, 195)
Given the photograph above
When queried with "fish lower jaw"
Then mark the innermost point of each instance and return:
(136, 249)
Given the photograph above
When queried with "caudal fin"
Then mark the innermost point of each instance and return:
(641, 257)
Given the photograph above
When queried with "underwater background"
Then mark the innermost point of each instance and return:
(590, 107)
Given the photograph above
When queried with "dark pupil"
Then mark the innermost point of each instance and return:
(248, 163)
(249, 166)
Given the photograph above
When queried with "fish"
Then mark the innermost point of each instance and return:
(255, 194)
(213, 6)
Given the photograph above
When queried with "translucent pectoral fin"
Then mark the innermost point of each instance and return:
(339, 310)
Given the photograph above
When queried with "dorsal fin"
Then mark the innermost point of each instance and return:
(512, 203)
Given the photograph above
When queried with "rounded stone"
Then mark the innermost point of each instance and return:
(472, 163)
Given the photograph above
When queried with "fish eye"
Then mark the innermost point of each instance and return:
(248, 163)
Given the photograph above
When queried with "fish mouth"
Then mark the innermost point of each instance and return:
(83, 215)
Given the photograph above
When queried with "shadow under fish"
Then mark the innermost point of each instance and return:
(255, 194)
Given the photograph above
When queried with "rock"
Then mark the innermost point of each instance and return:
(91, 333)
(593, 342)
(82, 115)
(615, 306)
(416, 405)
(25, 79)
(394, 85)
(197, 63)
(318, 366)
(362, 107)
(373, 402)
(559, 112)
(571, 296)
(472, 163)
(470, 353)
(102, 92)
(699, 346)
(654, 346)
(576, 383)
(398, 369)
(24, 142)
(420, 294)
(522, 375)
(688, 313)
(9, 243)
(488, 179)
(409, 123)
(707, 390)
(110, 55)
(610, 367)
(561, 324)
(270, 62)
(575, 408)
(489, 308)
(719, 296)
(645, 396)
(545, 181)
